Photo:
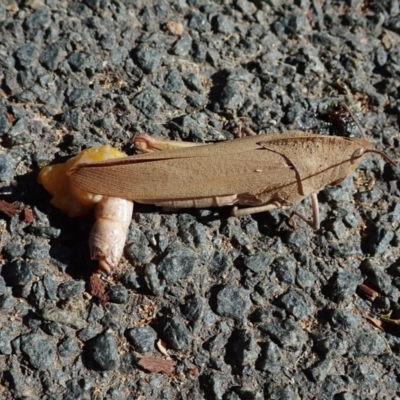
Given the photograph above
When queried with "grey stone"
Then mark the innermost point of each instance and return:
(27, 55)
(343, 285)
(148, 59)
(179, 263)
(39, 350)
(103, 351)
(142, 338)
(118, 294)
(7, 166)
(176, 334)
(233, 302)
(70, 290)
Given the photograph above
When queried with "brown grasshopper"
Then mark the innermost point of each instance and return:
(260, 172)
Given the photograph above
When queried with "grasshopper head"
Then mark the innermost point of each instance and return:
(354, 152)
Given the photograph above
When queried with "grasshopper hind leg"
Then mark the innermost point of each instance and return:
(148, 144)
(314, 223)
(276, 202)
(240, 212)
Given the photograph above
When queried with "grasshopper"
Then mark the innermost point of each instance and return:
(259, 173)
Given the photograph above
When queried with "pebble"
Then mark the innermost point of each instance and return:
(73, 119)
(128, 363)
(245, 347)
(174, 82)
(103, 352)
(131, 280)
(258, 263)
(305, 279)
(17, 273)
(142, 338)
(377, 276)
(193, 308)
(148, 59)
(3, 288)
(287, 334)
(275, 391)
(77, 60)
(88, 333)
(344, 285)
(233, 302)
(38, 250)
(137, 249)
(70, 290)
(154, 282)
(4, 127)
(14, 250)
(40, 351)
(176, 334)
(270, 359)
(285, 269)
(320, 371)
(52, 56)
(368, 344)
(148, 102)
(179, 263)
(296, 303)
(27, 55)
(110, 320)
(199, 23)
(68, 347)
(220, 264)
(39, 20)
(345, 320)
(297, 241)
(118, 294)
(331, 346)
(79, 97)
(182, 46)
(5, 343)
(50, 284)
(380, 240)
(231, 97)
(63, 317)
(224, 24)
(7, 166)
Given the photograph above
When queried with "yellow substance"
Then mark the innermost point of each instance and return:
(68, 198)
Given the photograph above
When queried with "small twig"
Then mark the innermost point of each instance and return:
(368, 292)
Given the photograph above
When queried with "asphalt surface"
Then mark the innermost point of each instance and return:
(203, 305)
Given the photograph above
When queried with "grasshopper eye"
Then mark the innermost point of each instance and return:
(357, 154)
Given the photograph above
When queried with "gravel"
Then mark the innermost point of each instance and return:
(38, 349)
(244, 308)
(102, 352)
(142, 338)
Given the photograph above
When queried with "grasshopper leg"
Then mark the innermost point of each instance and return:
(277, 202)
(243, 131)
(236, 212)
(148, 144)
(315, 221)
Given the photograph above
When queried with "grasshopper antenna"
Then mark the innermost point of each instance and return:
(382, 154)
(355, 121)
